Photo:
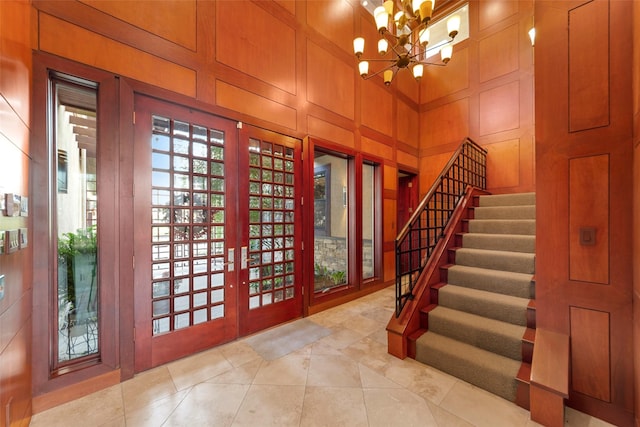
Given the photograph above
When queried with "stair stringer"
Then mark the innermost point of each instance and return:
(401, 331)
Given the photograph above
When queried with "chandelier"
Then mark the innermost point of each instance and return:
(404, 36)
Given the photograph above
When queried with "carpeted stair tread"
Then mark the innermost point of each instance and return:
(516, 262)
(505, 212)
(488, 334)
(508, 199)
(505, 308)
(490, 371)
(503, 226)
(503, 282)
(500, 242)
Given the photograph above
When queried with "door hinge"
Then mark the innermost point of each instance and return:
(134, 117)
(302, 201)
(134, 334)
(303, 246)
(133, 262)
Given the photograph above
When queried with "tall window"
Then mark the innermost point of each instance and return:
(74, 148)
(331, 228)
(347, 222)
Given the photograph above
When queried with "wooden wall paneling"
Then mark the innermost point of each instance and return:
(407, 122)
(589, 219)
(371, 146)
(503, 164)
(494, 11)
(636, 209)
(430, 168)
(499, 108)
(171, 20)
(407, 160)
(446, 124)
(288, 5)
(407, 85)
(256, 43)
(376, 106)
(325, 130)
(240, 100)
(442, 81)
(390, 223)
(588, 78)
(590, 358)
(498, 53)
(389, 266)
(330, 81)
(333, 19)
(73, 42)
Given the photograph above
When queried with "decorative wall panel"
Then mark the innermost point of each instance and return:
(442, 81)
(499, 53)
(334, 20)
(329, 132)
(503, 164)
(330, 81)
(370, 146)
(494, 11)
(245, 34)
(500, 108)
(73, 42)
(445, 125)
(590, 357)
(589, 66)
(407, 124)
(589, 219)
(377, 108)
(171, 20)
(407, 159)
(240, 100)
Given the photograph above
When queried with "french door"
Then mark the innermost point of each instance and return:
(217, 246)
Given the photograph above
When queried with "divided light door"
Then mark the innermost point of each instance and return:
(217, 233)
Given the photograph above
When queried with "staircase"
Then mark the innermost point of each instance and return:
(481, 326)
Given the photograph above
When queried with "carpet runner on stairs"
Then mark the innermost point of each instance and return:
(476, 329)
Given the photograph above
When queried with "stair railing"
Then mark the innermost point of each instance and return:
(419, 236)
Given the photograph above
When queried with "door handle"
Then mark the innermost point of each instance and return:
(231, 259)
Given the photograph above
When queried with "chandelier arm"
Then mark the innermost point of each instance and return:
(382, 70)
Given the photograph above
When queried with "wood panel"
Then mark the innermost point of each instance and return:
(588, 78)
(377, 107)
(390, 180)
(238, 99)
(430, 168)
(406, 159)
(171, 20)
(503, 164)
(331, 82)
(15, 119)
(334, 20)
(442, 81)
(407, 124)
(494, 11)
(590, 349)
(73, 42)
(390, 266)
(390, 224)
(371, 146)
(444, 125)
(499, 108)
(589, 219)
(499, 53)
(288, 5)
(329, 132)
(256, 43)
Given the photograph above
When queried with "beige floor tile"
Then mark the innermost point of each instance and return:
(333, 371)
(361, 324)
(445, 418)
(575, 418)
(372, 379)
(271, 405)
(208, 404)
(102, 408)
(239, 353)
(288, 370)
(147, 387)
(156, 413)
(482, 408)
(341, 338)
(423, 380)
(200, 367)
(334, 407)
(244, 374)
(397, 407)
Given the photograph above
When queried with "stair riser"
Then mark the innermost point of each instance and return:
(516, 315)
(507, 199)
(499, 242)
(516, 288)
(516, 264)
(520, 227)
(505, 212)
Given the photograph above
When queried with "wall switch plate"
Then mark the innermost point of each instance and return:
(1, 287)
(587, 236)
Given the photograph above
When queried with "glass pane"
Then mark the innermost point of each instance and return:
(330, 221)
(76, 229)
(368, 221)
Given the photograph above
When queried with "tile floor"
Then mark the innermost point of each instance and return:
(329, 369)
